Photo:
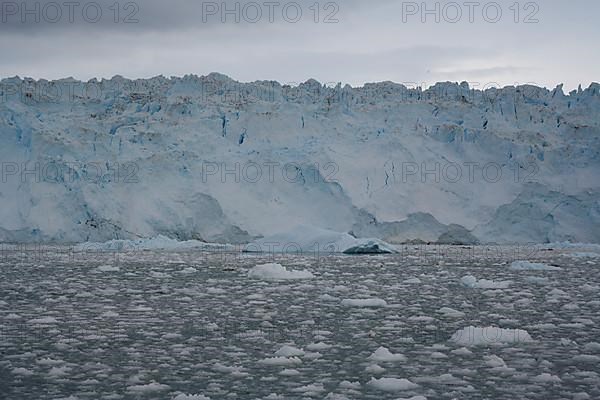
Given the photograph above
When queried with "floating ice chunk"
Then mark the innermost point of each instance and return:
(593, 347)
(421, 318)
(364, 303)
(277, 272)
(109, 314)
(584, 255)
(546, 378)
(313, 356)
(494, 361)
(445, 379)
(451, 313)
(43, 321)
(57, 372)
(281, 361)
(581, 396)
(290, 372)
(529, 266)
(149, 388)
(336, 396)
(49, 362)
(587, 358)
(472, 282)
(382, 354)
(557, 293)
(437, 355)
(469, 281)
(375, 369)
(463, 351)
(228, 369)
(412, 398)
(318, 346)
(313, 389)
(476, 336)
(373, 246)
(171, 336)
(142, 309)
(191, 397)
(537, 280)
(289, 351)
(108, 268)
(567, 342)
(350, 385)
(392, 384)
(327, 297)
(589, 288)
(157, 243)
(22, 372)
(313, 240)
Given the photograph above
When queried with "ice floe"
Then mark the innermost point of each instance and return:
(364, 303)
(382, 354)
(531, 266)
(392, 384)
(476, 336)
(308, 240)
(472, 282)
(277, 272)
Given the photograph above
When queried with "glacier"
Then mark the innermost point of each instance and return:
(210, 159)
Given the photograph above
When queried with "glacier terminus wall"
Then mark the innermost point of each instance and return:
(216, 160)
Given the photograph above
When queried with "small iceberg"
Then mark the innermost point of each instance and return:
(159, 242)
(277, 272)
(478, 336)
(531, 266)
(308, 240)
(371, 247)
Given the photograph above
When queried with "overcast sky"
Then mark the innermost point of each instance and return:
(348, 41)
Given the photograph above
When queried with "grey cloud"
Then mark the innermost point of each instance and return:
(34, 17)
(369, 43)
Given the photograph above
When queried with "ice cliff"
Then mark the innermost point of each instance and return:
(211, 159)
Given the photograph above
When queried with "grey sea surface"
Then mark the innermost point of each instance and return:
(174, 324)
